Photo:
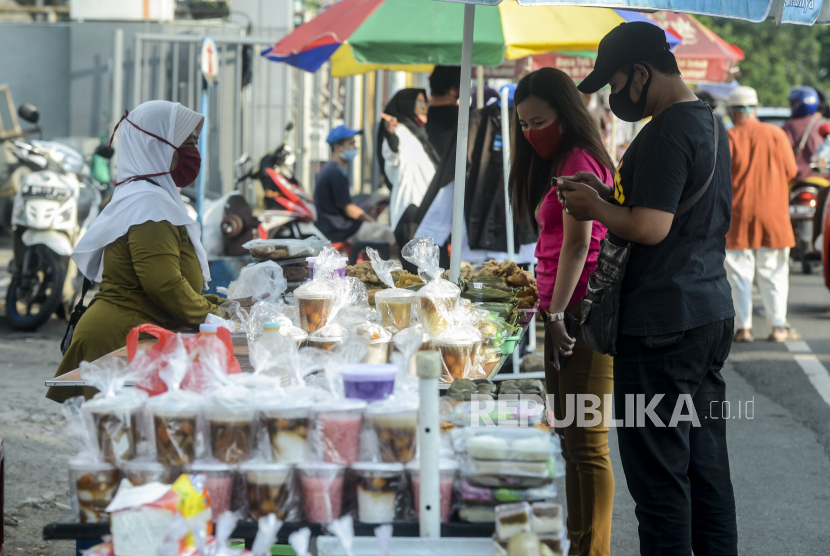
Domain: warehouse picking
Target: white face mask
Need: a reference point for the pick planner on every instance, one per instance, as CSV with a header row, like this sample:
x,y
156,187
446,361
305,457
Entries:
x,y
348,154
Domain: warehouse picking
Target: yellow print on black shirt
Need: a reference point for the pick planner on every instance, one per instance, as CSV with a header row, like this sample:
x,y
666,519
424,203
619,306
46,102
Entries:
x,y
619,196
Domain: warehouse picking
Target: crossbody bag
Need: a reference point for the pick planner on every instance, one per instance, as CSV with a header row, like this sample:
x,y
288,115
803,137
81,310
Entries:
x,y
601,304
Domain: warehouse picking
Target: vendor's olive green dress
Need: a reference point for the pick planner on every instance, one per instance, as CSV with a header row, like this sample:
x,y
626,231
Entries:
x,y
151,275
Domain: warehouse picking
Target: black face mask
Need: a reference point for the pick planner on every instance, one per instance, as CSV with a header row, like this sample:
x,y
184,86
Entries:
x,y
621,104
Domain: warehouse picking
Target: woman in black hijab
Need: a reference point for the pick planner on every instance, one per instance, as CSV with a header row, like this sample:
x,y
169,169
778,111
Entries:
x,y
406,157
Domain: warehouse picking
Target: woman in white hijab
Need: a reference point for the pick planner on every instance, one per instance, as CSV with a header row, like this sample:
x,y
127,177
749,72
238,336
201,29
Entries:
x,y
144,249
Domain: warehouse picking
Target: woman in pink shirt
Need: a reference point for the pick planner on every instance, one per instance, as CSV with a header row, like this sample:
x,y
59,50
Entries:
x,y
559,138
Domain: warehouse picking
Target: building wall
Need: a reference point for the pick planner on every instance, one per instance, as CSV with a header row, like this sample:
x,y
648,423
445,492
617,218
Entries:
x,y
35,66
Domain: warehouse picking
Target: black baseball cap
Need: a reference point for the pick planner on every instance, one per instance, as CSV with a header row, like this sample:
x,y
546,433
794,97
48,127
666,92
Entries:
x,y
629,43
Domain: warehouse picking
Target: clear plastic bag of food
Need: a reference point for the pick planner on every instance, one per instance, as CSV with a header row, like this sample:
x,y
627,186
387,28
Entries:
x,y
329,337
438,298
322,485
267,528
470,494
338,423
175,413
143,471
287,422
92,481
230,421
115,410
381,492
459,348
394,305
513,444
379,349
407,343
281,249
299,541
447,473
219,481
270,489
257,281
394,423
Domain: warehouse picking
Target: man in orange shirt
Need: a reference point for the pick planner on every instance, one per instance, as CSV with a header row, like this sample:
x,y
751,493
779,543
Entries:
x,y
758,244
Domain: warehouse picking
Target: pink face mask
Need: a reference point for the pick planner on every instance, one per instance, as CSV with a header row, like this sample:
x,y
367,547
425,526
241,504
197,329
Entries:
x,y
190,161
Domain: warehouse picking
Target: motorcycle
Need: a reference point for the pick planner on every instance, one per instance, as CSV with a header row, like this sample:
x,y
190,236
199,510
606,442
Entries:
x,y
12,173
52,211
290,211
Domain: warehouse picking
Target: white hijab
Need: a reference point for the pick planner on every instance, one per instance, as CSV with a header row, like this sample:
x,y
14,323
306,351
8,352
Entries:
x,y
136,202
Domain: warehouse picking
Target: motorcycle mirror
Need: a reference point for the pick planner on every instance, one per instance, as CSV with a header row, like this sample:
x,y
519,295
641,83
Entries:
x,y
105,151
29,113
289,126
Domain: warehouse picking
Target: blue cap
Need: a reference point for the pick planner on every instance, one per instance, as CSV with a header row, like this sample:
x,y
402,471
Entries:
x,y
341,132
271,325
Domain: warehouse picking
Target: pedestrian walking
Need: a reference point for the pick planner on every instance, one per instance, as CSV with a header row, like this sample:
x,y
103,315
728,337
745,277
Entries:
x,y
758,244
670,207
560,137
405,154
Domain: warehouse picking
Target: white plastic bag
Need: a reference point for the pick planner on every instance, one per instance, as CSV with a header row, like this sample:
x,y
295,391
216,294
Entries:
x,y
258,281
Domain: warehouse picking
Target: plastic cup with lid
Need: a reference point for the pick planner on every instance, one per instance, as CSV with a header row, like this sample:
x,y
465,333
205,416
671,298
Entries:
x,y
378,490
448,470
219,484
363,381
322,491
338,424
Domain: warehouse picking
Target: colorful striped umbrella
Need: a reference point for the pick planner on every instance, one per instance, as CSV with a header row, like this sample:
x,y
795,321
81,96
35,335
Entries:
x,y
364,35
802,12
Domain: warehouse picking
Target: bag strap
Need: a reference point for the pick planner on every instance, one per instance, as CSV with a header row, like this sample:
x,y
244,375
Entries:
x,y
75,317
689,203
804,138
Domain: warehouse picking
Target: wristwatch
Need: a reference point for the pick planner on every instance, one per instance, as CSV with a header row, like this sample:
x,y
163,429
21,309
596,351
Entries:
x,y
553,317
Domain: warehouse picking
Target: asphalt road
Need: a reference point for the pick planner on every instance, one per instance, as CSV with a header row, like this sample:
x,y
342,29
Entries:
x,y
780,458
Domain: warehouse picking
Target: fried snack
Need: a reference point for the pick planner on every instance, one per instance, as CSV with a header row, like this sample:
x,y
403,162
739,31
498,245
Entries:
x,y
363,272
406,279
519,279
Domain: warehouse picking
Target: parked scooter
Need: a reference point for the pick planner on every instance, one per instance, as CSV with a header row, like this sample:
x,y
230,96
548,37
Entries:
x,y
52,210
12,173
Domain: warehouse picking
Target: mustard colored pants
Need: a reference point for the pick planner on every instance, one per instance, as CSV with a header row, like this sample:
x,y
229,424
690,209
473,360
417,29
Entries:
x,y
589,479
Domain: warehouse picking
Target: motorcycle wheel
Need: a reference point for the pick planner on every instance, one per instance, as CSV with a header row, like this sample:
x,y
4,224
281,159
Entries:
x,y
35,293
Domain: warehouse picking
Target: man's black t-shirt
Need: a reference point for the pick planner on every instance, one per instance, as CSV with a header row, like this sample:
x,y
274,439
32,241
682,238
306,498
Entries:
x,y
680,283
331,194
442,123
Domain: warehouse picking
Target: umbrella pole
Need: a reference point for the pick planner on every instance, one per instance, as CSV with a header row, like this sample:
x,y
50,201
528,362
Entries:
x,y
505,156
461,149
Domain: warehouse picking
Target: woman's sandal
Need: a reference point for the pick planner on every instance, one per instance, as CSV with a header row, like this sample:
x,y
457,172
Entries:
x,y
790,335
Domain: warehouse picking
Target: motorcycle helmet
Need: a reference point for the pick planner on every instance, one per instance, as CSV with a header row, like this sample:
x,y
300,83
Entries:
x,y
803,101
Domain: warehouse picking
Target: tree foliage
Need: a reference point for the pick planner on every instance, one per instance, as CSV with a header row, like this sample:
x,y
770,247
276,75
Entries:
x,y
777,59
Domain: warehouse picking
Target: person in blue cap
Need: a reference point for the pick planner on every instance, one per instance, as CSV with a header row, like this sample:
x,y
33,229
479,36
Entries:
x,y
338,217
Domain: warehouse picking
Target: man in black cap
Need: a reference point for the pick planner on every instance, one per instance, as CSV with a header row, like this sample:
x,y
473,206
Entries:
x,y
675,313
